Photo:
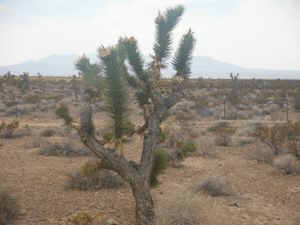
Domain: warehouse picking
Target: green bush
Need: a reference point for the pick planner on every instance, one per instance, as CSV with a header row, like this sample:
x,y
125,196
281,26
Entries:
x,y
63,112
162,136
161,160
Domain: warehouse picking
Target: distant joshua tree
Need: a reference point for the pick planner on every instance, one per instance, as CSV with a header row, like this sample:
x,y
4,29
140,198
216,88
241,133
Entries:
x,y
24,82
155,105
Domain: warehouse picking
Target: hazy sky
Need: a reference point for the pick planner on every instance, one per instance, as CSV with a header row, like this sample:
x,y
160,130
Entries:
x,y
248,33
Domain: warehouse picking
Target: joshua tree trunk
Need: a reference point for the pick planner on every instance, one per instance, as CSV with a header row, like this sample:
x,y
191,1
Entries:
x,y
144,209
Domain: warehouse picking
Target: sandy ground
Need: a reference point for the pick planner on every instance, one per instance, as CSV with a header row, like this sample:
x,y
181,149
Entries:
x,y
260,194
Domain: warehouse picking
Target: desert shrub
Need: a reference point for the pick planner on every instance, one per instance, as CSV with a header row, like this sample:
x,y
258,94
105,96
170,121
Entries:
x,y
187,148
286,163
223,132
9,207
213,186
48,132
16,111
56,98
206,148
62,111
81,219
281,137
32,99
297,101
179,209
7,129
92,177
162,136
160,164
62,149
264,155
184,120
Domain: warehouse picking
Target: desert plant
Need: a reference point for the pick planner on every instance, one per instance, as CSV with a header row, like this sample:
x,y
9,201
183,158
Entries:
x,y
75,85
65,149
48,132
7,129
280,137
93,177
213,186
91,77
154,104
184,120
24,82
63,112
9,208
81,219
286,163
180,209
223,132
185,148
160,163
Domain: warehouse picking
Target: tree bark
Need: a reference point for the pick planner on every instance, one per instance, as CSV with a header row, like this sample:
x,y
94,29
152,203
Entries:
x,y
144,210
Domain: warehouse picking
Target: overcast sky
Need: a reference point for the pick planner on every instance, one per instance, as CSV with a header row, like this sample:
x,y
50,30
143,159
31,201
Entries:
x,y
248,33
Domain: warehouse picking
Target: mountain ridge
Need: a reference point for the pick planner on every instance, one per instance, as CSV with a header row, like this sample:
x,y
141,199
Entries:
x,y
202,66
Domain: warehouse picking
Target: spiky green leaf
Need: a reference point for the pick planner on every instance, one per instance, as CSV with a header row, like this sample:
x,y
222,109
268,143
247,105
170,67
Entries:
x,y
165,23
183,56
115,88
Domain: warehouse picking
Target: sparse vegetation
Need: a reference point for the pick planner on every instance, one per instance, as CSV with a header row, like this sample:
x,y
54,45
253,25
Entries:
x,y
223,132
9,207
7,129
180,209
81,219
213,186
48,132
287,164
62,148
160,164
93,177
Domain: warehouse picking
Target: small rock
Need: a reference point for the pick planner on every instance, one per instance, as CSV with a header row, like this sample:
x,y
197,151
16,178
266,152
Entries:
x,y
111,222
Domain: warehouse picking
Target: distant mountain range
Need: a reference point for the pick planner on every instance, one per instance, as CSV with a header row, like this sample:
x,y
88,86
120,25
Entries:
x,y
202,66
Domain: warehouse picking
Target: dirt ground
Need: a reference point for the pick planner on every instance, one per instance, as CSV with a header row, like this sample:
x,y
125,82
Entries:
x,y
260,194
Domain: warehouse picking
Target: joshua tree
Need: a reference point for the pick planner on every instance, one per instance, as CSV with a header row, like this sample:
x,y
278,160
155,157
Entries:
x,y
24,82
91,77
75,86
154,104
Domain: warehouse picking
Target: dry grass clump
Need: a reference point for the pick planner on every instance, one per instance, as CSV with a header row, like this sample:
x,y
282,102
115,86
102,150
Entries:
x,y
287,163
81,219
206,148
223,132
7,129
48,132
213,186
9,207
62,148
264,155
179,209
92,177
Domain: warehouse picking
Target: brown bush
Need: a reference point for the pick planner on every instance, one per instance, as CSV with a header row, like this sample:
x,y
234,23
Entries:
x,y
213,186
287,163
92,177
9,208
7,129
48,132
281,137
223,132
179,209
62,148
